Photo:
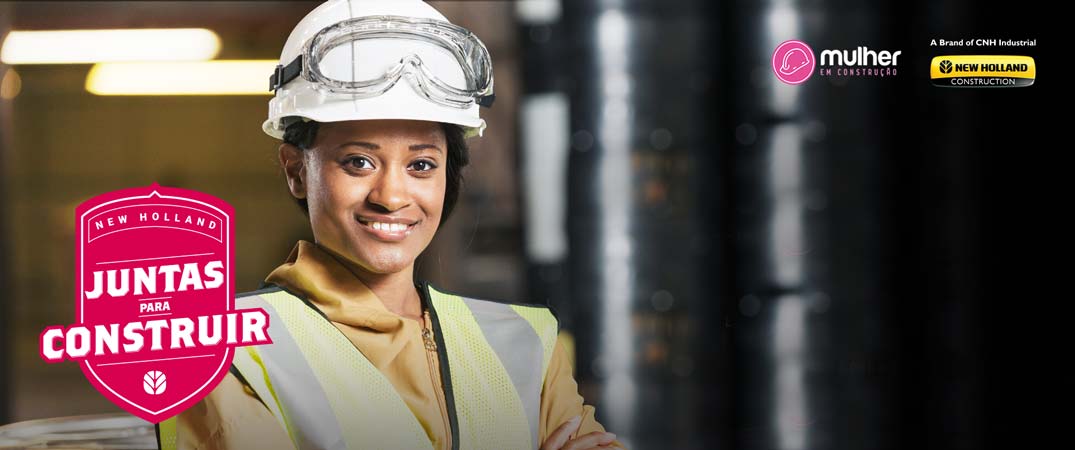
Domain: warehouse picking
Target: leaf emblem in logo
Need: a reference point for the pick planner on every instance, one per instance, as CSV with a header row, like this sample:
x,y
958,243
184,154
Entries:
x,y
946,66
154,382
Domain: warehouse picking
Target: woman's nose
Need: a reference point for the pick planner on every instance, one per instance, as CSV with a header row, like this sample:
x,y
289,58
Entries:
x,y
390,191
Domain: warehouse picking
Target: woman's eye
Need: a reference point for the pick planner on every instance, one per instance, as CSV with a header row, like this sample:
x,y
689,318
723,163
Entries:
x,y
359,162
423,165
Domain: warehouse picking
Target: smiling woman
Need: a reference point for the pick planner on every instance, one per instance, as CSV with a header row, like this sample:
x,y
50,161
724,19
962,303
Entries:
x,y
455,152
374,189
363,355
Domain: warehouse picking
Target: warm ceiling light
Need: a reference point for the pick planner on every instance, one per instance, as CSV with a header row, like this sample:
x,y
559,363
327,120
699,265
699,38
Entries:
x,y
221,77
93,46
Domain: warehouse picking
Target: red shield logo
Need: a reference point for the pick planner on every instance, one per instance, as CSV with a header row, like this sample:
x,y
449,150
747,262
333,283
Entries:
x,y
156,323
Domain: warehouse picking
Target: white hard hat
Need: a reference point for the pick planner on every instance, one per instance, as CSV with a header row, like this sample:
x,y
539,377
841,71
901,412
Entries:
x,y
380,59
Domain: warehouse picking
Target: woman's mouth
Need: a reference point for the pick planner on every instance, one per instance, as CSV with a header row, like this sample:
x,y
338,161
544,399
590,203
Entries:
x,y
385,230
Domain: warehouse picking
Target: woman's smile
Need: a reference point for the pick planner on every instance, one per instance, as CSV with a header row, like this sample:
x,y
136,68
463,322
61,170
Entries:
x,y
387,228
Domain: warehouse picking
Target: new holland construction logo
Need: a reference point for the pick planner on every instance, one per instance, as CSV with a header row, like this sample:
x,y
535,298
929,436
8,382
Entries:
x,y
794,62
156,325
982,71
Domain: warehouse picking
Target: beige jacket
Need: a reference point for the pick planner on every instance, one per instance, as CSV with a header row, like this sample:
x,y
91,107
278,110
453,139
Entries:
x,y
232,418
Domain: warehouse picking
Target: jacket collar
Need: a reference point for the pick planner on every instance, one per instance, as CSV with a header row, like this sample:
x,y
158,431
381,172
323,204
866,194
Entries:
x,y
322,279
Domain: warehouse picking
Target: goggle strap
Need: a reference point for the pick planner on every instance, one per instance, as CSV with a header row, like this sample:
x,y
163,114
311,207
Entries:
x,y
486,100
284,74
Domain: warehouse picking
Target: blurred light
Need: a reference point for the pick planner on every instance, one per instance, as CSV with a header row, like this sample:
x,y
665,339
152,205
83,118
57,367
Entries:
x,y
785,160
223,77
746,134
616,84
786,239
662,300
534,12
545,136
93,46
789,336
615,184
660,138
582,140
782,23
613,37
749,306
10,85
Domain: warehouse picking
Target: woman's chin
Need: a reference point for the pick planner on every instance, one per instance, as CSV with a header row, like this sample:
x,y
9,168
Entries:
x,y
385,262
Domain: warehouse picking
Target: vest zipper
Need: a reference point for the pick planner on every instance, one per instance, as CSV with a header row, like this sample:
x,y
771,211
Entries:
x,y
445,369
427,337
431,350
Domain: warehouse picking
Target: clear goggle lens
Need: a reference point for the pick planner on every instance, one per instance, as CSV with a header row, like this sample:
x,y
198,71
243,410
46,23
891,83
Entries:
x,y
362,57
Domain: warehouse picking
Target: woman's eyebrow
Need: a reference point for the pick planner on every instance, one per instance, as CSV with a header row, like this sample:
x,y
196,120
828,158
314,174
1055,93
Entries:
x,y
372,146
364,144
417,147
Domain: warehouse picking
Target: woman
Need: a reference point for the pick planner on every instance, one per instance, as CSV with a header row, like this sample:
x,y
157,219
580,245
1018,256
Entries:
x,y
374,101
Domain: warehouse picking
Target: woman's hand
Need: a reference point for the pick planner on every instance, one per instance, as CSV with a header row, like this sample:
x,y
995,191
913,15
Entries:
x,y
559,439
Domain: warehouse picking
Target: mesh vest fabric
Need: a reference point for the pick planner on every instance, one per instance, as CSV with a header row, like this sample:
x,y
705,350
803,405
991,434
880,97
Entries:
x,y
327,395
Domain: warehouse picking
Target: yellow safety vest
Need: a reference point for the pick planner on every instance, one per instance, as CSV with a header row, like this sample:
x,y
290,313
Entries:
x,y
327,395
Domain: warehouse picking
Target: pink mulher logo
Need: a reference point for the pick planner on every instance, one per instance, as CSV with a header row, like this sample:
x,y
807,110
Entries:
x,y
793,62
155,321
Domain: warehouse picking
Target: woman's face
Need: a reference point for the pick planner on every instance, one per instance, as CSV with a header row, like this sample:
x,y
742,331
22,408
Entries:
x,y
375,189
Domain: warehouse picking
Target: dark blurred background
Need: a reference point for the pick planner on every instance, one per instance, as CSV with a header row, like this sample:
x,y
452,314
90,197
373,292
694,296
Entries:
x,y
738,263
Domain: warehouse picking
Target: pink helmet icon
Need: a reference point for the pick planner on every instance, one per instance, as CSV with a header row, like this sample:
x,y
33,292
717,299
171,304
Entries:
x,y
794,60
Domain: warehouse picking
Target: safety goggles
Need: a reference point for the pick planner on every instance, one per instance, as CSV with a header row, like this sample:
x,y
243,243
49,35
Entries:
x,y
360,57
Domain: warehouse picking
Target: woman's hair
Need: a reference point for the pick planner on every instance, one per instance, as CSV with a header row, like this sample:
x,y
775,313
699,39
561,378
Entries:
x,y
302,134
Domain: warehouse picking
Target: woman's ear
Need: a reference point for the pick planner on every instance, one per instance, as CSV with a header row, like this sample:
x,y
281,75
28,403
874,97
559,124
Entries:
x,y
291,160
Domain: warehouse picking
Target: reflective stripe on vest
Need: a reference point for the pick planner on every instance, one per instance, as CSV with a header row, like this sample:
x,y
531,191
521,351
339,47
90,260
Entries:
x,y
493,349
327,395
